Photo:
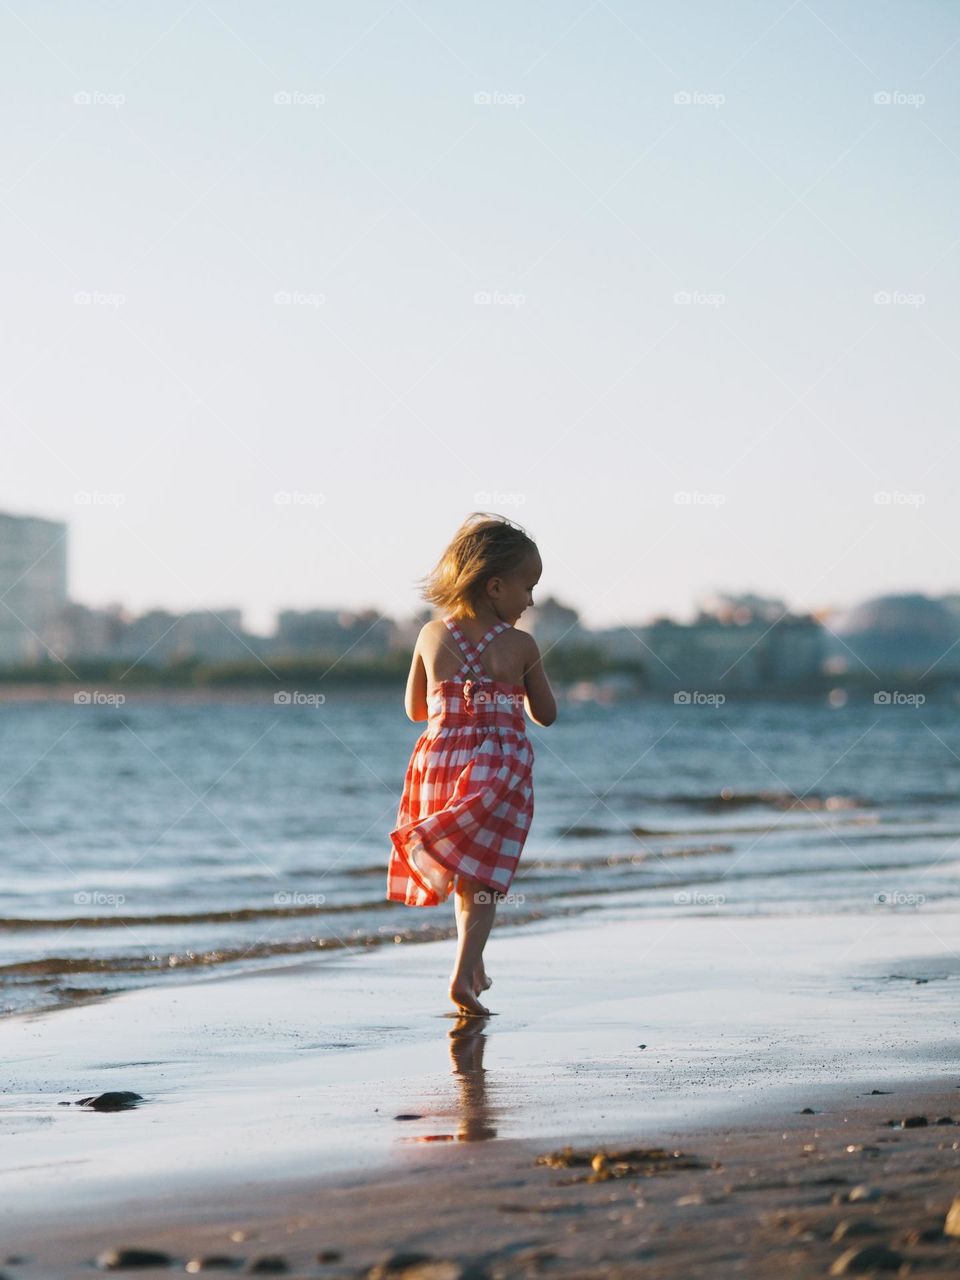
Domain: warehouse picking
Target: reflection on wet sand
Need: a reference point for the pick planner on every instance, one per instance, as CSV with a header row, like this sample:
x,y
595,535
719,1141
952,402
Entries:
x,y
466,1055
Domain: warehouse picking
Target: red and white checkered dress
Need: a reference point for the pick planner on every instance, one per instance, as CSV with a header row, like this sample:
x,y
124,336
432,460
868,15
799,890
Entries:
x,y
468,792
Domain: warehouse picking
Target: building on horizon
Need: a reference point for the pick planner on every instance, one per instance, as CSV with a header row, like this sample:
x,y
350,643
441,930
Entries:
x,y
909,635
553,625
33,585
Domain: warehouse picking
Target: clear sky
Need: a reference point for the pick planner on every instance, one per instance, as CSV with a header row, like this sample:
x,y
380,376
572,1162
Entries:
x,y
213,297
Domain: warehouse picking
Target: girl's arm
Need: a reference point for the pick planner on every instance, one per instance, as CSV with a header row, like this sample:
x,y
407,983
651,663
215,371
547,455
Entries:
x,y
415,697
541,704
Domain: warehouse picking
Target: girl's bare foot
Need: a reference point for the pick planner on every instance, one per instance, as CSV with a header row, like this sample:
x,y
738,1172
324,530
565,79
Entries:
x,y
464,999
480,980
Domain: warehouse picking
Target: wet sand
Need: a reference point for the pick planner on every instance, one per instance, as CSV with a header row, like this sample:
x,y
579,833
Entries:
x,y
271,1103
788,1194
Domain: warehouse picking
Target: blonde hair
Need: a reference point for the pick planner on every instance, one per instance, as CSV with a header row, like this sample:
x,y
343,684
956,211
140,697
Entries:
x,y
485,546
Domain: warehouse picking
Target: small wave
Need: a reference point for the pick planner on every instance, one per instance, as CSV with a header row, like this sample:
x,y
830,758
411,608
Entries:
x,y
727,799
239,915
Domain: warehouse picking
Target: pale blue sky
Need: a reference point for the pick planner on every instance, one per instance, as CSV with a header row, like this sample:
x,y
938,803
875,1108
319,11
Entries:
x,y
584,405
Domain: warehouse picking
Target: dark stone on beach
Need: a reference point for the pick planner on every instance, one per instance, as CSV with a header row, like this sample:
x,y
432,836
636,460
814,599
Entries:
x,y
854,1227
117,1101
214,1262
869,1257
408,1115
913,1122
807,1111
329,1255
872,1091
118,1259
269,1264
945,1120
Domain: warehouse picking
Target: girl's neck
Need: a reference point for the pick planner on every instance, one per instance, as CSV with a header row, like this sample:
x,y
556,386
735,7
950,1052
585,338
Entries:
x,y
485,618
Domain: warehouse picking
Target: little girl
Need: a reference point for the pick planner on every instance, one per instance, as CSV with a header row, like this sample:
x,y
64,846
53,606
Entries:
x,y
468,792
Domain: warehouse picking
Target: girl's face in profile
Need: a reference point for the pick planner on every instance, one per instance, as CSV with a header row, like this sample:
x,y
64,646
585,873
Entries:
x,y
513,592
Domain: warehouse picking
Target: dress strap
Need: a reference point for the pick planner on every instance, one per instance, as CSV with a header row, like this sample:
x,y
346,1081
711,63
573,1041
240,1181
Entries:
x,y
471,652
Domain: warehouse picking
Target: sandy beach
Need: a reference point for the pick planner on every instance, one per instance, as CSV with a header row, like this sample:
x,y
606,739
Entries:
x,y
323,1105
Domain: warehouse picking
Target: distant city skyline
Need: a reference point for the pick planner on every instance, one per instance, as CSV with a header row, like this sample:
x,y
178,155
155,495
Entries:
x,y
55,563
671,286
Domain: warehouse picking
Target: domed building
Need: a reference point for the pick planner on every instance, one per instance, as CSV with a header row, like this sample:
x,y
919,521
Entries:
x,y
895,635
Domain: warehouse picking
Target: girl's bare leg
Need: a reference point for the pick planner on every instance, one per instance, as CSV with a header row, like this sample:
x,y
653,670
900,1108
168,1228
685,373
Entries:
x,y
480,980
476,909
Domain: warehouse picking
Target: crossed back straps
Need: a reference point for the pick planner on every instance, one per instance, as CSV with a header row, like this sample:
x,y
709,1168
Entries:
x,y
472,652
